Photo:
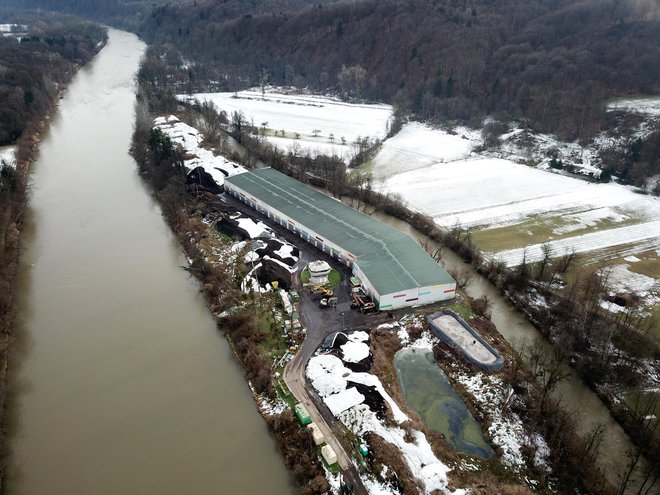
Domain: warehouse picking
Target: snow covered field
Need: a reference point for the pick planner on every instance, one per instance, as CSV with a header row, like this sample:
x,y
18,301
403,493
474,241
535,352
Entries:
x,y
644,105
302,114
441,175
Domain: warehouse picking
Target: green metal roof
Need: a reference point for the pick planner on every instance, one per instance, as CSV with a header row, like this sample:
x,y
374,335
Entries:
x,y
391,260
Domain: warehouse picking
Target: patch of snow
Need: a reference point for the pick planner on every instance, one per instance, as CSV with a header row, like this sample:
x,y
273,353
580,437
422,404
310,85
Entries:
x,y
506,431
254,229
621,280
541,451
339,402
8,155
631,259
425,341
359,336
589,218
643,105
190,140
286,251
376,488
250,257
388,325
404,336
235,248
354,352
417,454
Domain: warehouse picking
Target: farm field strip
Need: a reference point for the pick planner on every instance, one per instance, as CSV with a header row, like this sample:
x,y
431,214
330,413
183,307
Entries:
x,y
302,114
643,235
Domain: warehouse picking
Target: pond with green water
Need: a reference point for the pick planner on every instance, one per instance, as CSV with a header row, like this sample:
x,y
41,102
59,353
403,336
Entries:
x,y
427,389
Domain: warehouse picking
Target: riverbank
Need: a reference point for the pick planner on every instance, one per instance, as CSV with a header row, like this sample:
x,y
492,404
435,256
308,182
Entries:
x,y
13,204
192,216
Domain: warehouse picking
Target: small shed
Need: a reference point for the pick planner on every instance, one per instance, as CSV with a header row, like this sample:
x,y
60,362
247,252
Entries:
x,y
302,414
318,437
328,454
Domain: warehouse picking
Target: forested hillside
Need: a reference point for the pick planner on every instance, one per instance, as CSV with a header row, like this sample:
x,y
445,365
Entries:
x,y
129,14
34,67
550,62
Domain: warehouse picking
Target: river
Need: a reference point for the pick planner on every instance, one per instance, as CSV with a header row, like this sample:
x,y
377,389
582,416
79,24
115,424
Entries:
x,y
120,381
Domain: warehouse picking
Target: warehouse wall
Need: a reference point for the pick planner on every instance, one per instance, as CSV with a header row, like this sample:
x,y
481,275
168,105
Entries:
x,y
401,299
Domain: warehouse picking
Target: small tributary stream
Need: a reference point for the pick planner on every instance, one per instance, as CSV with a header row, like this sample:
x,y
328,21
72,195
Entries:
x,y
121,383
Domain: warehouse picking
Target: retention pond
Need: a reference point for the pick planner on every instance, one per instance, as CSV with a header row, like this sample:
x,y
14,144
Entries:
x,y
427,389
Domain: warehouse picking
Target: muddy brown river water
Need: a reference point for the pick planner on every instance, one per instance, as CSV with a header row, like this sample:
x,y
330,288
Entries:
x,y
121,383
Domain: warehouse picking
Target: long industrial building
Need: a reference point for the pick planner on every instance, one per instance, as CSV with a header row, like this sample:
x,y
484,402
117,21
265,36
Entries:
x,y
394,269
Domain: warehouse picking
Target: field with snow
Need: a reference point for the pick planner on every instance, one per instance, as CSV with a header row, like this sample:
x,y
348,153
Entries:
x,y
302,114
644,105
512,208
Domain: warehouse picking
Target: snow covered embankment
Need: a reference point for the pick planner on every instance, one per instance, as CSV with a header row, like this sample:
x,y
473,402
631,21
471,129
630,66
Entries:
x,y
189,139
329,377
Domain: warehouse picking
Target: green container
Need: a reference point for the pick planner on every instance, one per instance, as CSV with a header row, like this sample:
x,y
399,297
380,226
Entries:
x,y
363,450
302,414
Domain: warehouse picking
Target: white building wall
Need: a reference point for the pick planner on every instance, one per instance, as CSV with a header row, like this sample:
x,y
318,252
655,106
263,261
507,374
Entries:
x,y
436,293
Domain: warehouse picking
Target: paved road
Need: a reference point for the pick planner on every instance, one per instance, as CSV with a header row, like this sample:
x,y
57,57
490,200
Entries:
x,y
318,323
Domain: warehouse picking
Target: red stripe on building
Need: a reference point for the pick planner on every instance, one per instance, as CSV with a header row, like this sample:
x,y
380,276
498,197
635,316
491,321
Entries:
x,y
413,299
450,290
399,295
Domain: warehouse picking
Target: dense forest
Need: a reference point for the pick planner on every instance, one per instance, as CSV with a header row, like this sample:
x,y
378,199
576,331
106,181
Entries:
x,y
130,14
550,63
34,66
